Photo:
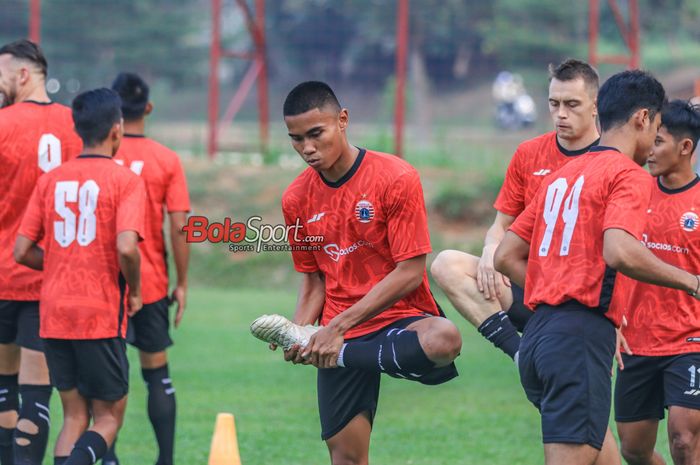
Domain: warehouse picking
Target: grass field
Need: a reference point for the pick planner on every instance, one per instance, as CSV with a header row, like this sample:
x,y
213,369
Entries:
x,y
482,417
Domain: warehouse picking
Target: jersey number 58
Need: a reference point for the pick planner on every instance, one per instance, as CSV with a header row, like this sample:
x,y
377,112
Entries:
x,y
66,231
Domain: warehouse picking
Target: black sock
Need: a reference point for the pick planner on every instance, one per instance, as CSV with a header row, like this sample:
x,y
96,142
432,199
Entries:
x,y
110,458
59,460
9,400
7,456
161,411
500,331
396,352
29,447
89,448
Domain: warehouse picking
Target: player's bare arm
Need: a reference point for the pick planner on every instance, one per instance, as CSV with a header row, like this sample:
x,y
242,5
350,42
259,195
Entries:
x,y
627,255
130,266
310,301
181,253
325,345
29,254
511,257
486,275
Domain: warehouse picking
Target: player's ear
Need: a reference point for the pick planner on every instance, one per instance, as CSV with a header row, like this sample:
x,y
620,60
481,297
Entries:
x,y
343,119
686,146
641,119
117,130
149,109
23,75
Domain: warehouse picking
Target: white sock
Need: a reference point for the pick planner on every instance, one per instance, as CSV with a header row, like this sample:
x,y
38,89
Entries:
x,y
340,362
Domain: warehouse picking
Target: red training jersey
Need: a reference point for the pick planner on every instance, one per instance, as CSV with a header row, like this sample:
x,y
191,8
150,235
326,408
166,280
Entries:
x,y
564,226
532,162
81,207
370,219
34,138
166,187
660,320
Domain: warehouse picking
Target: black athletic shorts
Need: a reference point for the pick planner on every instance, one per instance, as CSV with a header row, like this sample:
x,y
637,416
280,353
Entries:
x,y
97,367
149,329
19,323
344,393
649,384
566,355
518,313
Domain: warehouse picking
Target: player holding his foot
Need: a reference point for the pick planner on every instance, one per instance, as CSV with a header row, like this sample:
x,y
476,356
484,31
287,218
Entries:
x,y
36,136
166,187
365,282
90,213
586,222
663,329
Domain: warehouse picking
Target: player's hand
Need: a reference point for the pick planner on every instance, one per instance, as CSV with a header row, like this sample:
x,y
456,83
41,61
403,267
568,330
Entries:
x,y
179,296
621,343
487,278
134,303
324,348
294,355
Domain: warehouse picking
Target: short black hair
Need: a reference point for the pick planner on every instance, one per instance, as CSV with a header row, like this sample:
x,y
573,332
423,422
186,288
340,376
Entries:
x,y
309,95
682,119
571,69
627,92
24,49
133,91
94,114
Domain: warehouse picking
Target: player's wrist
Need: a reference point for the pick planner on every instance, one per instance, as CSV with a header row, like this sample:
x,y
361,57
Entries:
x,y
338,325
490,248
694,287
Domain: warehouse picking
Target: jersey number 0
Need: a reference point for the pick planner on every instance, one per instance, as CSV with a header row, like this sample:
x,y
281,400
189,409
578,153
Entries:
x,y
552,206
66,231
49,152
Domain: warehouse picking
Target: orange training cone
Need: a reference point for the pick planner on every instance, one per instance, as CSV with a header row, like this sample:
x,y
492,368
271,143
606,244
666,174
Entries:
x,y
224,445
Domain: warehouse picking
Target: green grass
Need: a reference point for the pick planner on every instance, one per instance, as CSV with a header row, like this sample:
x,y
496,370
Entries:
x,y
482,417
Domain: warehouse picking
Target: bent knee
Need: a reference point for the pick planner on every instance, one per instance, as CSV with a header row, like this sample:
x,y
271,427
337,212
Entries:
x,y
443,343
450,267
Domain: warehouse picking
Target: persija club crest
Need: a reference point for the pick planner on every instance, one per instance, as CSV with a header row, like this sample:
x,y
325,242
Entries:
x,y
689,221
364,211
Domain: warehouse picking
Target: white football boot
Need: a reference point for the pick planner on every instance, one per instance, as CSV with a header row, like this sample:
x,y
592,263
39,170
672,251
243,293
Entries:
x,y
278,330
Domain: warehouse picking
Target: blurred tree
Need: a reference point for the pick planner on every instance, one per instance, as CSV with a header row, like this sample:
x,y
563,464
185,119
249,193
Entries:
x,y
96,39
14,22
534,32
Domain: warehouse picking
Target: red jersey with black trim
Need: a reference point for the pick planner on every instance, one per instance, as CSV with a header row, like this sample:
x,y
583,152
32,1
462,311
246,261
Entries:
x,y
80,208
564,226
369,220
532,162
660,320
166,187
34,138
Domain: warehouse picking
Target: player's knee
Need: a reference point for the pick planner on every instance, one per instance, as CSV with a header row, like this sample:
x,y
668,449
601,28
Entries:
x,y
442,343
682,443
76,421
446,269
109,422
345,457
636,453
